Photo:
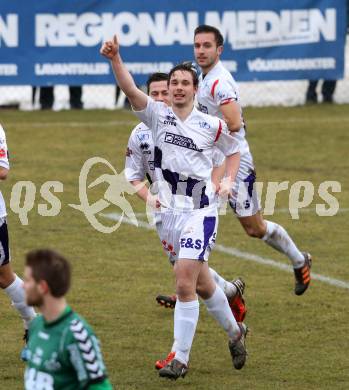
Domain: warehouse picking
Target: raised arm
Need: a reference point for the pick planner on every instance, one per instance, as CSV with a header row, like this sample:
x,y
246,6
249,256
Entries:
x,y
137,98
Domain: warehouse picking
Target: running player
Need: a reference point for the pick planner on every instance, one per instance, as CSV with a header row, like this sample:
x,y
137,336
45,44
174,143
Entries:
x,y
183,167
9,281
218,95
139,164
63,351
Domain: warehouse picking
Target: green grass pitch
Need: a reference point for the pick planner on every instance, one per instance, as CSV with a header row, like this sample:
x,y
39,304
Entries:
x,y
294,343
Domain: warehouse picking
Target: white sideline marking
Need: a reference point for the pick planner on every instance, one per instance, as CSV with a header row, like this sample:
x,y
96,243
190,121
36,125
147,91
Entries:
x,y
78,124
308,210
242,255
281,210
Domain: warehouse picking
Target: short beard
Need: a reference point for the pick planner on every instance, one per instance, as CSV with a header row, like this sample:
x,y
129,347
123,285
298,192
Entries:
x,y
209,65
38,301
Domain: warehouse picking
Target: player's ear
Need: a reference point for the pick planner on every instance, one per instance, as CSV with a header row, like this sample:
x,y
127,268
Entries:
x,y
219,50
43,287
195,91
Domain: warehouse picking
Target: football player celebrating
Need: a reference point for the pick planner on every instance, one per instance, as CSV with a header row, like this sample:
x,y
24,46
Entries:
x,y
218,95
183,167
139,164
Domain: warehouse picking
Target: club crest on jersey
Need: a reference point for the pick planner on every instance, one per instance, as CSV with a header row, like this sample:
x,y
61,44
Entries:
x,y
170,120
142,137
204,125
203,108
151,165
221,95
179,140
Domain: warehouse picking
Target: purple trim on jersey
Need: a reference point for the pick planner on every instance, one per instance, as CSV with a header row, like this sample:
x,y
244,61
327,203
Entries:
x,y
172,178
193,188
209,227
250,180
5,255
204,198
157,157
191,183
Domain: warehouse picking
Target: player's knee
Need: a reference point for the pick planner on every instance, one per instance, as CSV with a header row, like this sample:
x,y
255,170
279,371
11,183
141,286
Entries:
x,y
4,281
6,276
200,290
184,288
257,231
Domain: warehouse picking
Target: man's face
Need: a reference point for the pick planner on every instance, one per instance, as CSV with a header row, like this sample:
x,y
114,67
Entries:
x,y
33,290
181,88
206,51
158,91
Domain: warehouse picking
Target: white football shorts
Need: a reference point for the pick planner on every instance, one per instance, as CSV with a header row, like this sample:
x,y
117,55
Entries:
x,y
189,235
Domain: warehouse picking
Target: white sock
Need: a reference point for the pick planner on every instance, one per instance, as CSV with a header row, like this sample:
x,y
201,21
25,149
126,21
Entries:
x,y
228,288
174,346
219,308
16,293
277,237
186,315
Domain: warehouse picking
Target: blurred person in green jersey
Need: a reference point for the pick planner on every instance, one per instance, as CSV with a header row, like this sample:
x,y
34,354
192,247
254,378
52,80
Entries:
x,y
63,351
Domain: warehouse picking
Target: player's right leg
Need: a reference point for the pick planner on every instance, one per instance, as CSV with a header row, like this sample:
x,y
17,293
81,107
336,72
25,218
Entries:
x,y
186,315
11,283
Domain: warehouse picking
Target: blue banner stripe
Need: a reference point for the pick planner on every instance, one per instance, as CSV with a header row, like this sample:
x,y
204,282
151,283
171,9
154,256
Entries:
x,y
58,41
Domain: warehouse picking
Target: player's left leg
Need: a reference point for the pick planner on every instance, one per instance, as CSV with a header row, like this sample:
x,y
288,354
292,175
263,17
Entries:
x,y
277,237
218,306
232,289
11,283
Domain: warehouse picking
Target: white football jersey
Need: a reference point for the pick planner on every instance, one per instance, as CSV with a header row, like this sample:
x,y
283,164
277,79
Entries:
x,y
218,87
183,156
139,161
4,162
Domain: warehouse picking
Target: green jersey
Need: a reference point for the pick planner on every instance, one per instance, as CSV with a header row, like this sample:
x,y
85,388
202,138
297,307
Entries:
x,y
64,354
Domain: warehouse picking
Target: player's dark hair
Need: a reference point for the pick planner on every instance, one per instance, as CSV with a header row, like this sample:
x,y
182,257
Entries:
x,y
158,76
186,67
205,28
52,267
